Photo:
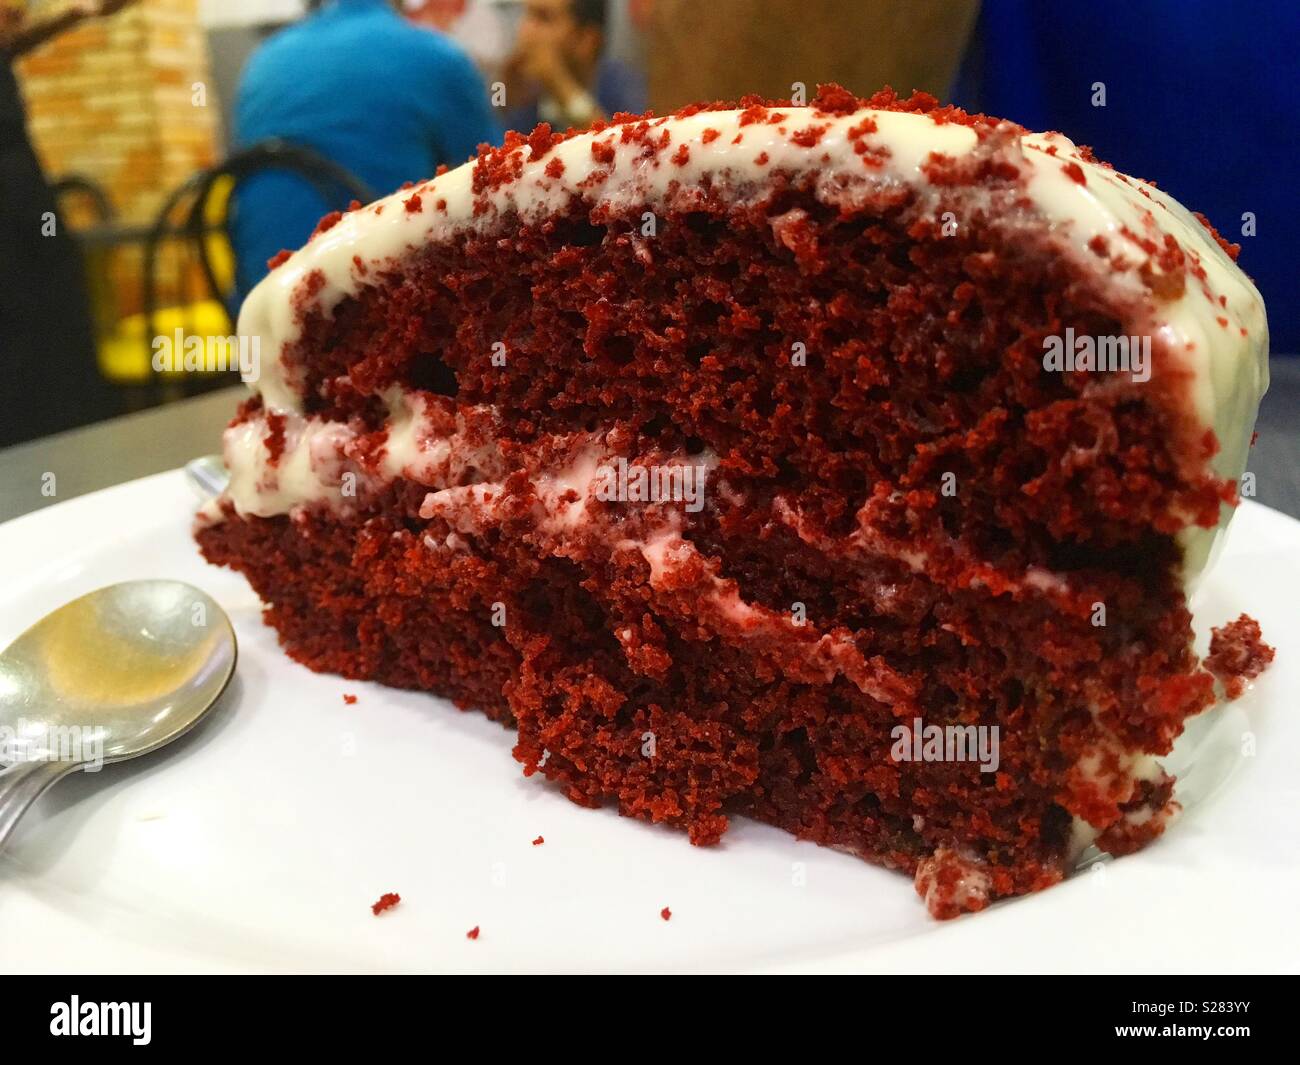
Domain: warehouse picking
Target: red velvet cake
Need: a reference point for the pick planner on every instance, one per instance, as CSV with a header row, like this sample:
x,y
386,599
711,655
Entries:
x,y
844,466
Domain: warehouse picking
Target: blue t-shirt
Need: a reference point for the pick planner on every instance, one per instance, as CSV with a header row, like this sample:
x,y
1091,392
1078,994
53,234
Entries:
x,y
1200,98
387,100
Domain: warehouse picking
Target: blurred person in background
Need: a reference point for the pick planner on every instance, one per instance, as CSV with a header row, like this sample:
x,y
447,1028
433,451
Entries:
x,y
475,25
49,379
559,72
383,98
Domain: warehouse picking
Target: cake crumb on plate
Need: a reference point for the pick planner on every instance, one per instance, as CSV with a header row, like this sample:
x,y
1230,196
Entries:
x,y
386,902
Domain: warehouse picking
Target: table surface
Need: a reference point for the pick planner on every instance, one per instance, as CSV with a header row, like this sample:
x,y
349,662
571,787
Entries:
x,y
47,471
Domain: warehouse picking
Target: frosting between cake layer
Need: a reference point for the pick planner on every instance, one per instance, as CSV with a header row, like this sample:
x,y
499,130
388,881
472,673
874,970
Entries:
x,y
308,470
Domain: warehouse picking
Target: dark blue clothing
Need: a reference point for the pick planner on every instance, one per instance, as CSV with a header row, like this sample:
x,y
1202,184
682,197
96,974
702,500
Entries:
x,y
385,99
1200,98
619,87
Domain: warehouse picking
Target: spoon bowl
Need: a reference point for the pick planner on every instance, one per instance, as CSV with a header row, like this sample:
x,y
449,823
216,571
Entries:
x,y
113,675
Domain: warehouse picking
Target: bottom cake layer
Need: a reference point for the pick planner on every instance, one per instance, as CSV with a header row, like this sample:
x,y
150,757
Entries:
x,y
636,675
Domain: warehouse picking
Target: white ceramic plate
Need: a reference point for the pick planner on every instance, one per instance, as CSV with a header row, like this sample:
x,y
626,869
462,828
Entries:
x,y
260,841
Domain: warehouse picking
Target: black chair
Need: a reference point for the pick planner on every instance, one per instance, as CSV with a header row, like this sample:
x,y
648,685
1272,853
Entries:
x,y
185,215
77,186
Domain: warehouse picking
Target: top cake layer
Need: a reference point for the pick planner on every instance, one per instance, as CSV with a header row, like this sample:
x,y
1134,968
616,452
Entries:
x,y
1165,273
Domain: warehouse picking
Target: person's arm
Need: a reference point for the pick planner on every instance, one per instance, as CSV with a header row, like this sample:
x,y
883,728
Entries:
x,y
32,33
547,67
540,65
521,90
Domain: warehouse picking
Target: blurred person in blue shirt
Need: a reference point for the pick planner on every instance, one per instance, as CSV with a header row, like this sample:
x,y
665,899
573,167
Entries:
x,y
559,72
356,82
1199,97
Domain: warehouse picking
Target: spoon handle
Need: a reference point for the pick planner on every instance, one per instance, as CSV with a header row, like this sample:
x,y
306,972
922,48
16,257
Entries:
x,y
21,784
207,475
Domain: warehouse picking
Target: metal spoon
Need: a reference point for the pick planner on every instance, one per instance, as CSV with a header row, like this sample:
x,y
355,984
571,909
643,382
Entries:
x,y
115,674
207,475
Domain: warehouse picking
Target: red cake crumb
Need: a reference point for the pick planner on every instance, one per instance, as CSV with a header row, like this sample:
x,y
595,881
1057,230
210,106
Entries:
x,y
308,289
761,159
413,203
683,154
472,933
1232,250
275,437
952,885
832,99
861,129
279,258
709,136
1075,172
386,902
350,700
810,137
328,222
541,140
1238,654
555,168
874,156
538,841
666,913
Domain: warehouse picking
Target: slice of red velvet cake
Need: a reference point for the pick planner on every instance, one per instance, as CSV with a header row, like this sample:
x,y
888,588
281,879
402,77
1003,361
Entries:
x,y
842,466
